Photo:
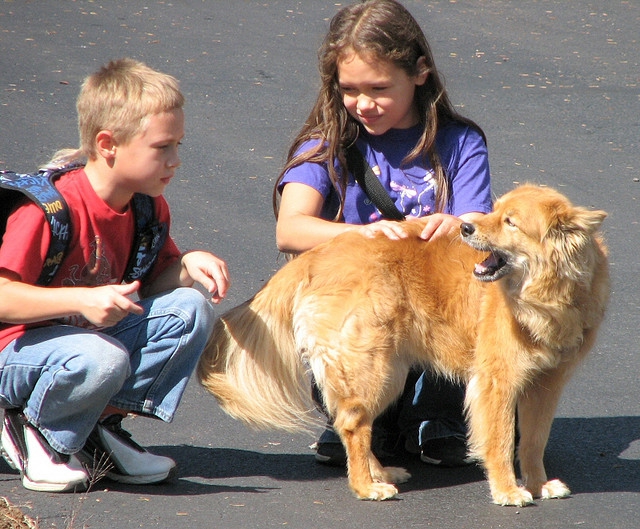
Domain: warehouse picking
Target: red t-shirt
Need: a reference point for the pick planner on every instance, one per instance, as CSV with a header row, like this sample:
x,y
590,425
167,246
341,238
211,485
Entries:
x,y
98,251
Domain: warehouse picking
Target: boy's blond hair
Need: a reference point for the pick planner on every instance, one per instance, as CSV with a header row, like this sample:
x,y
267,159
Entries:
x,y
119,97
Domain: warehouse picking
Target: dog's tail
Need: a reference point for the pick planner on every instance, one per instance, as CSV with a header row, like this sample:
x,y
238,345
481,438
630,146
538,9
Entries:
x,y
252,366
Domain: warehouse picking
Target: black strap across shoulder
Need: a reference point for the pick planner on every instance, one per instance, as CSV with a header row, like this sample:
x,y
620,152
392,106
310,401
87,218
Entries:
x,y
149,238
39,188
371,185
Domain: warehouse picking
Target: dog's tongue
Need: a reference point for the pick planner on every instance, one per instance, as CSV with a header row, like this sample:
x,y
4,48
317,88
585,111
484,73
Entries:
x,y
486,266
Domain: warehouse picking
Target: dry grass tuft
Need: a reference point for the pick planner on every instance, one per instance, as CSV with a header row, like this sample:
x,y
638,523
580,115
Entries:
x,y
11,517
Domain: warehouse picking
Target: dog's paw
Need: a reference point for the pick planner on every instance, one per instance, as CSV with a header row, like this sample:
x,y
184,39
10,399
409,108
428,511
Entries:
x,y
518,496
378,491
554,489
395,475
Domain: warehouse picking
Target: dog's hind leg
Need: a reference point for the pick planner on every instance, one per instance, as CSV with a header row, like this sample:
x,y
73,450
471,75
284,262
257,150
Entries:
x,y
368,479
536,409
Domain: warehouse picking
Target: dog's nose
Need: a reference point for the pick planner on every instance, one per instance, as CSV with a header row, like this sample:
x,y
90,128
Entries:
x,y
466,228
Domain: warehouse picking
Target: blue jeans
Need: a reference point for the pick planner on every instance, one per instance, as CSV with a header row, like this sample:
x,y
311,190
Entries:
x,y
64,376
430,407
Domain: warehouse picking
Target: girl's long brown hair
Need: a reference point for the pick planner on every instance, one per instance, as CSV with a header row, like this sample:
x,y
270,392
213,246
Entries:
x,y
386,31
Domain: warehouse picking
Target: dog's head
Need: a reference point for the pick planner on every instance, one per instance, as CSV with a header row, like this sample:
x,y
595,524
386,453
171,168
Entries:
x,y
533,230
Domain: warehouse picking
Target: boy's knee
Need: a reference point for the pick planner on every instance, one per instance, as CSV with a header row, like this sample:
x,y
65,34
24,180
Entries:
x,y
105,366
193,302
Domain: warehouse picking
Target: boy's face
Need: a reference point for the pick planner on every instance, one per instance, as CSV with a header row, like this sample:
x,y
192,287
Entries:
x,y
147,163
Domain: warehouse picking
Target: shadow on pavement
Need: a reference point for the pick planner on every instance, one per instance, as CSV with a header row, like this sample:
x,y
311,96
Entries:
x,y
592,455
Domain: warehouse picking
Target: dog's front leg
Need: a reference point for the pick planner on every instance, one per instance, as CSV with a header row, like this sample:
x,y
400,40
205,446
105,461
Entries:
x,y
491,406
536,409
367,478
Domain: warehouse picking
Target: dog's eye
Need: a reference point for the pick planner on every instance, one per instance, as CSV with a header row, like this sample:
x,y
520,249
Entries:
x,y
509,222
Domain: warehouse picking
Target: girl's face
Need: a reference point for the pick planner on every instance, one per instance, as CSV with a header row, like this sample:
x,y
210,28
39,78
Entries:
x,y
378,93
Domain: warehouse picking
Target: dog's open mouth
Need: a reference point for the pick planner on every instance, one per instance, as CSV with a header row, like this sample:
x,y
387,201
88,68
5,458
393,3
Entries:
x,y
495,266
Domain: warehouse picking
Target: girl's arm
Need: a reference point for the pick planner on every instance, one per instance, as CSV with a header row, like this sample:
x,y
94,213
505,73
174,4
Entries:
x,y
300,228
471,184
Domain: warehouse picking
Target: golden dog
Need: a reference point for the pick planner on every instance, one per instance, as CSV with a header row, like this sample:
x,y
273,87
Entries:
x,y
510,305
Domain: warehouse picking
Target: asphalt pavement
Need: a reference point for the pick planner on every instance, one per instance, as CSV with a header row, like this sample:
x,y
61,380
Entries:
x,y
554,84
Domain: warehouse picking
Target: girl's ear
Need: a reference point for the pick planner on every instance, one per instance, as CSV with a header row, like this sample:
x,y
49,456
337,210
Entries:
x,y
423,71
105,144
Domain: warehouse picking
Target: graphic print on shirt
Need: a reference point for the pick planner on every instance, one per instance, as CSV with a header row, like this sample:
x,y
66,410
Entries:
x,y
415,195
426,197
95,273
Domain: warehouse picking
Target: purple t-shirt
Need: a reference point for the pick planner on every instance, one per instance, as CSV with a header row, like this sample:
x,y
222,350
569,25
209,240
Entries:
x,y
463,154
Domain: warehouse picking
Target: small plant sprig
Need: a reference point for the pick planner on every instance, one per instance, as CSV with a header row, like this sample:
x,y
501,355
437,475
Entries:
x,y
98,469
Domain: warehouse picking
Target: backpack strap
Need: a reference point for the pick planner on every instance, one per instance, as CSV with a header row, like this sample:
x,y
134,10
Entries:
x,y
39,188
371,185
150,237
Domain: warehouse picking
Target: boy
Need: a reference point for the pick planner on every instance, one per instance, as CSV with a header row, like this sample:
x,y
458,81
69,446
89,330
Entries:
x,y
80,354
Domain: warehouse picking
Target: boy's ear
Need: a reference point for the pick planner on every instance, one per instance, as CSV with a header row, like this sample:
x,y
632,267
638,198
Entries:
x,y
105,144
423,71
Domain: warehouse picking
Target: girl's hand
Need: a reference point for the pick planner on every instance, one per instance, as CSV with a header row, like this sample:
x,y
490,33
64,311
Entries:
x,y
392,229
440,224
208,270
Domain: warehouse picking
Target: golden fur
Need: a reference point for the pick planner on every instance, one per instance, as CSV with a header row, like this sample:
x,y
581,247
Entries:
x,y
511,305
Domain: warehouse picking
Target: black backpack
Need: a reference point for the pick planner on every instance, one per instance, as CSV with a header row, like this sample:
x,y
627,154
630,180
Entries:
x,y
150,233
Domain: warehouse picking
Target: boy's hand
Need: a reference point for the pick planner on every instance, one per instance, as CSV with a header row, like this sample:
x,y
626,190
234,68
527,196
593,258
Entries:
x,y
106,305
208,270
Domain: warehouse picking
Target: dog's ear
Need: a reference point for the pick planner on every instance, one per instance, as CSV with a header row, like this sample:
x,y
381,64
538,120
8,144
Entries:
x,y
581,220
568,220
571,236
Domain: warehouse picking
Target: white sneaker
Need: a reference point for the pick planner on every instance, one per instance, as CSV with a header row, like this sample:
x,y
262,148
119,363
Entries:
x,y
130,463
42,468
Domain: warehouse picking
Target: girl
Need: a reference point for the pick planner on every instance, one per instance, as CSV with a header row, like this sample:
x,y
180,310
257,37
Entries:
x,y
381,91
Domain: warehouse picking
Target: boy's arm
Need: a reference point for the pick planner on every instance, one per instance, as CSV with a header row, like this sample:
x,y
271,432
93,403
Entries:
x,y
102,306
196,266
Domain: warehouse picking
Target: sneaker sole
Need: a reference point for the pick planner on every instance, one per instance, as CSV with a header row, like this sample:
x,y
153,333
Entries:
x,y
429,460
80,486
152,479
330,461
449,464
322,459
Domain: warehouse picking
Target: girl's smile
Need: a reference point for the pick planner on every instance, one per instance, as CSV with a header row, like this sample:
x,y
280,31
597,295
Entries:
x,y
377,93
